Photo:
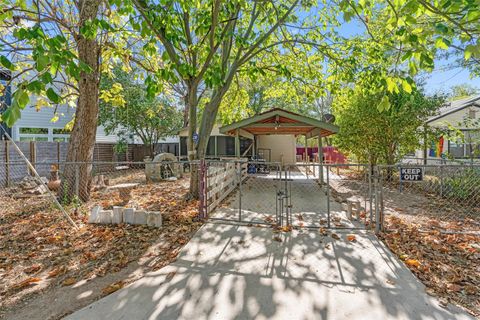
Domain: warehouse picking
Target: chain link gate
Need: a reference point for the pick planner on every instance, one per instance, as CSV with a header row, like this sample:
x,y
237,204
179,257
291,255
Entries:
x,y
343,197
329,196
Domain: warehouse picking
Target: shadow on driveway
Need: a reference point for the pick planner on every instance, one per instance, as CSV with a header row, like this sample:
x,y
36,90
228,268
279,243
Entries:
x,y
240,272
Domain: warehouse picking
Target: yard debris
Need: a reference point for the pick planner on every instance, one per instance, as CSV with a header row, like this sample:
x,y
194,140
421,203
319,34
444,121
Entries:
x,y
446,263
26,283
412,263
69,281
335,236
277,238
113,287
32,269
351,238
323,231
31,231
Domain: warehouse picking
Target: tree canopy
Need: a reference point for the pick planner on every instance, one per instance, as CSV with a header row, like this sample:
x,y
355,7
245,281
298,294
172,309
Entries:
x,y
126,109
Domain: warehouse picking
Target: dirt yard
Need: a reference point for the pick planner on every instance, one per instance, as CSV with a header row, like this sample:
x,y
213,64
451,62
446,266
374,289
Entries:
x,y
437,243
48,270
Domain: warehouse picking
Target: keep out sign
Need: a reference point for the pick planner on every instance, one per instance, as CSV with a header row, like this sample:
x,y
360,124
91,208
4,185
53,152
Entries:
x,y
411,174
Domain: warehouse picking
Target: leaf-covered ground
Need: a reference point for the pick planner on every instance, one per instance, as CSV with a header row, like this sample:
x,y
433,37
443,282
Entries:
x,y
435,240
40,252
442,255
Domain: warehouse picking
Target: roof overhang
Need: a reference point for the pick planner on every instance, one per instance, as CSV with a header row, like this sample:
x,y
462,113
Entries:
x,y
460,108
279,121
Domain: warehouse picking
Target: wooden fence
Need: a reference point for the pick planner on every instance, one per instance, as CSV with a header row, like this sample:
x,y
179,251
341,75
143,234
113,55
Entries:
x,y
43,154
221,179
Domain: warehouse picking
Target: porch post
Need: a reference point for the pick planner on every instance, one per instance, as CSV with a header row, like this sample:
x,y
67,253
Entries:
x,y
216,146
320,158
306,150
237,144
254,150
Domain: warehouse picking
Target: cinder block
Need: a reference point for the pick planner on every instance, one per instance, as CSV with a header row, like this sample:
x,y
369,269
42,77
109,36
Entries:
x,y
128,215
93,218
105,216
117,216
154,219
140,217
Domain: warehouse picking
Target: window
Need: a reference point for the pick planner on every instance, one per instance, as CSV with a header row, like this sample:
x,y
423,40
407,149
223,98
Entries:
x,y
456,150
226,146
61,139
472,113
61,131
33,130
211,146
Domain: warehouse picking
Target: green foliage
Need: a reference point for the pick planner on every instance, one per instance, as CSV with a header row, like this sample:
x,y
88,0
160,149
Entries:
x,y
150,118
382,136
463,186
420,30
463,91
43,53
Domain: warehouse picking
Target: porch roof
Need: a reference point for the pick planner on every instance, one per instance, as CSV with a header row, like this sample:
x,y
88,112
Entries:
x,y
279,121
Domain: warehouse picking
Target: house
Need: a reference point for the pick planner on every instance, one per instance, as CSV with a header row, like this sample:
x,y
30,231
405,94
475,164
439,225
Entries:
x,y
270,136
456,114
39,125
219,144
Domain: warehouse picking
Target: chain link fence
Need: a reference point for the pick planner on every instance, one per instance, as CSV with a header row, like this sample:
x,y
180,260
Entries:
x,y
446,192
306,195
107,184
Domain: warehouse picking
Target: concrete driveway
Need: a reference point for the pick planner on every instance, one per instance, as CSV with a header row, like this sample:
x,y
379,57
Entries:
x,y
241,272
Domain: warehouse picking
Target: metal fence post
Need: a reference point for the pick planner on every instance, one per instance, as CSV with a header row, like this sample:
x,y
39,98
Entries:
x,y
400,185
376,179
239,174
441,180
77,179
7,163
328,198
382,207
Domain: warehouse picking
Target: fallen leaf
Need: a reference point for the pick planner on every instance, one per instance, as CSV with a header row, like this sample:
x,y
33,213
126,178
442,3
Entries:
x,y
471,290
351,238
323,231
454,287
412,263
170,275
57,271
277,238
27,282
113,287
69,281
33,269
335,236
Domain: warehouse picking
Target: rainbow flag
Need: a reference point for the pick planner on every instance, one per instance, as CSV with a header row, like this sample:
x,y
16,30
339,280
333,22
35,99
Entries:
x,y
436,148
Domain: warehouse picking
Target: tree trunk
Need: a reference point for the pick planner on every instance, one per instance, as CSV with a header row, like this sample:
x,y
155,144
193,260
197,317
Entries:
x,y
77,177
209,116
191,103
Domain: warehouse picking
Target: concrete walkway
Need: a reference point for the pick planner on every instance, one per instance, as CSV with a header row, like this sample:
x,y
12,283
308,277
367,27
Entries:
x,y
309,201
240,272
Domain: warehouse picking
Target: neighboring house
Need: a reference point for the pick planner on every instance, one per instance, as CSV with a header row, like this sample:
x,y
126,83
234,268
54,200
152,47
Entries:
x,y
453,115
38,125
